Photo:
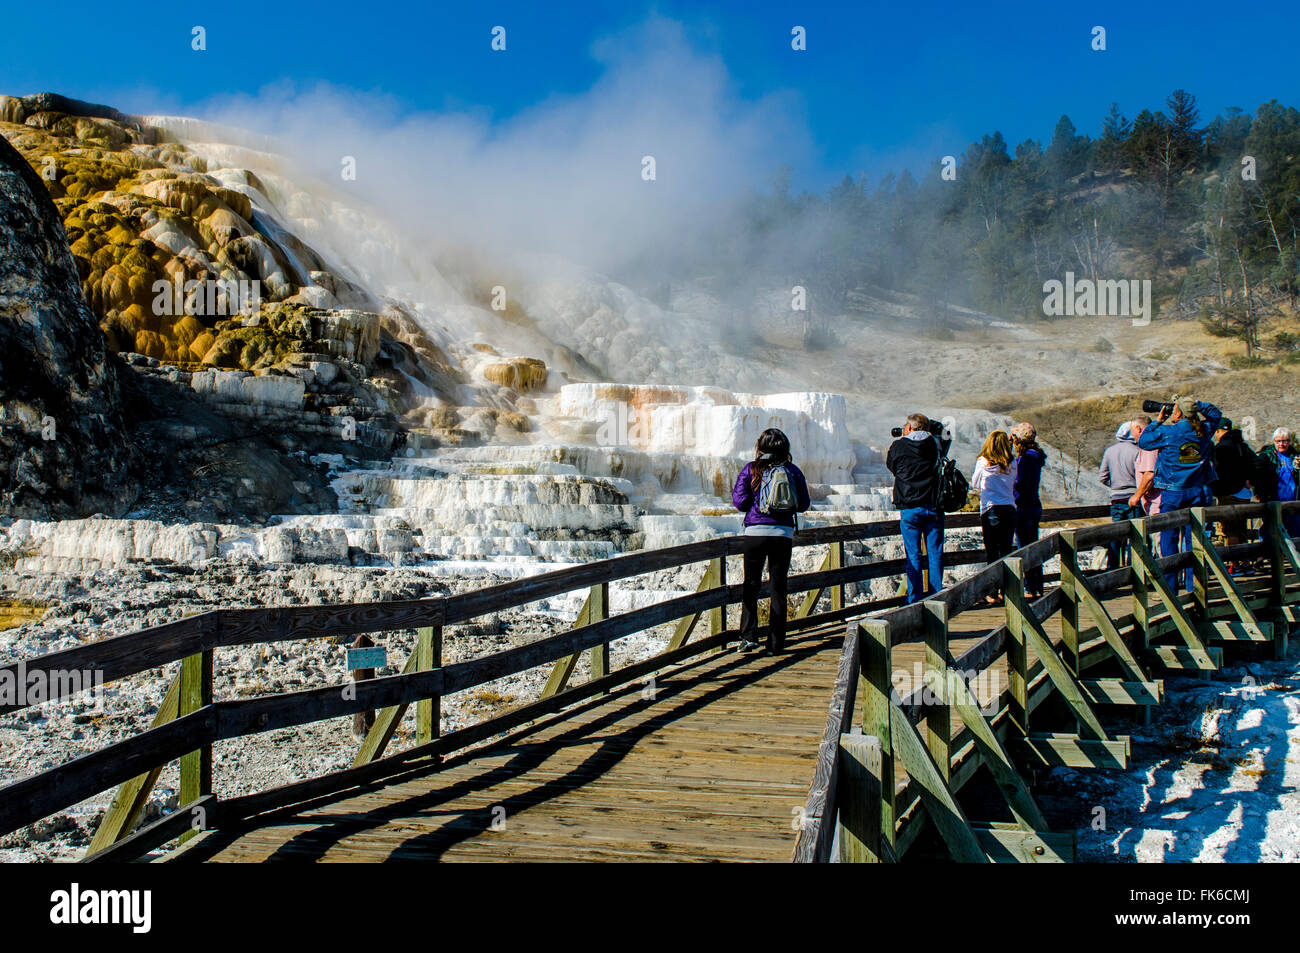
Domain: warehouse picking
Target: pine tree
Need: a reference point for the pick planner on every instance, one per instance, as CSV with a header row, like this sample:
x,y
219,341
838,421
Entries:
x,y
1108,154
1184,136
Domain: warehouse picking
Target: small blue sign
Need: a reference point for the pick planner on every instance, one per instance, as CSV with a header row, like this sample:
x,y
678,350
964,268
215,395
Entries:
x,y
370,657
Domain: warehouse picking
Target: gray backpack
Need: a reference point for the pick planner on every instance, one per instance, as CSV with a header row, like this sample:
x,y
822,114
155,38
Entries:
x,y
776,496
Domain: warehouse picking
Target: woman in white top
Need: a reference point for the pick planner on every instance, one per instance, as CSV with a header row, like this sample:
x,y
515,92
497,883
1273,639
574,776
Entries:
x,y
994,480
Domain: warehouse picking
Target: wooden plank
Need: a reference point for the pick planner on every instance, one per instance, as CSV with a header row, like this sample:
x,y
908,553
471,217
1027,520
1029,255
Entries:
x,y
811,597
250,804
1072,751
1180,658
519,592
191,818
1070,594
563,670
1140,586
813,844
859,799
718,615
1013,845
877,717
1106,625
599,612
1212,565
428,711
938,717
943,810
462,675
195,693
1017,648
836,557
1065,681
686,624
1008,780
39,795
1284,554
1156,580
109,659
1118,691
1228,630
129,801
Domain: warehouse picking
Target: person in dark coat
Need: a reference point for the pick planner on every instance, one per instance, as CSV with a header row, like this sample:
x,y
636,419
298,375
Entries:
x,y
1029,507
914,460
1235,466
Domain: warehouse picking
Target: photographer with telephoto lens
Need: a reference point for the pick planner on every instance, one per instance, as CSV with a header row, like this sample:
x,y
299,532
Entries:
x,y
914,460
1183,436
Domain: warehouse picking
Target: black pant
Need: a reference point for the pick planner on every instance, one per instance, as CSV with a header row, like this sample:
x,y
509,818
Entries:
x,y
775,551
1117,553
1027,519
999,526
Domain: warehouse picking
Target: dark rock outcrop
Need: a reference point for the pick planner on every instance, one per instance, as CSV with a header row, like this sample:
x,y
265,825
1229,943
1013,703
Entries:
x,y
63,451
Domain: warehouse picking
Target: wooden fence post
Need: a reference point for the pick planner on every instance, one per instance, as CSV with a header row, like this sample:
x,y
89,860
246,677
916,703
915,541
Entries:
x,y
1275,527
1069,598
1141,585
718,616
1200,570
599,613
1017,650
362,721
195,693
878,689
836,561
858,795
938,715
428,711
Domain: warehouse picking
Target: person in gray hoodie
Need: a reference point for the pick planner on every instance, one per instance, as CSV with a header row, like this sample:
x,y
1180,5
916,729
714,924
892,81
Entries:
x,y
1119,474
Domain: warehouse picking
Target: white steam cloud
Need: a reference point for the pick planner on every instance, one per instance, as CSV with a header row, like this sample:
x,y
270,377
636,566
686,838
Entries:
x,y
563,177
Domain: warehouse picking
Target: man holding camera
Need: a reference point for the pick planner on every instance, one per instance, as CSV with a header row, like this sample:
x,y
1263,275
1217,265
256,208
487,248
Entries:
x,y
914,460
1183,437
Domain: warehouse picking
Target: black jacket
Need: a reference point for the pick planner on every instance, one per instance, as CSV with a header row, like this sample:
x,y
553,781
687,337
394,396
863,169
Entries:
x,y
914,462
1234,463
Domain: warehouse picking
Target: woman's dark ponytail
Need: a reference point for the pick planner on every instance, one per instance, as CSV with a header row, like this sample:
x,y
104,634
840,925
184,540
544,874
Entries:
x,y
772,449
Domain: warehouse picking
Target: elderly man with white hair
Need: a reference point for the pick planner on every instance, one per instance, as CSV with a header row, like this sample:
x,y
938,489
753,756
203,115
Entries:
x,y
1118,473
1280,474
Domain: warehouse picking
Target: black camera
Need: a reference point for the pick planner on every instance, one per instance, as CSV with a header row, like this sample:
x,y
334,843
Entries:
x,y
934,426
1157,407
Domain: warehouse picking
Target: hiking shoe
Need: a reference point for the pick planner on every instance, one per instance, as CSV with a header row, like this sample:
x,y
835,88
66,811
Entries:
x,y
747,646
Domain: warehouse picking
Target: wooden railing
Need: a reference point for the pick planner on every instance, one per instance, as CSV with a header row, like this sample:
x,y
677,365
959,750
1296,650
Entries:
x,y
191,720
856,799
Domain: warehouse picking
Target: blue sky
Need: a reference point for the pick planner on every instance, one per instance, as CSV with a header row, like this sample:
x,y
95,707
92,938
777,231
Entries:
x,y
881,85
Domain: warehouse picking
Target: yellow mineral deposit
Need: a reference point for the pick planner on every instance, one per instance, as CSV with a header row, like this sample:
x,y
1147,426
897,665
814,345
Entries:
x,y
518,373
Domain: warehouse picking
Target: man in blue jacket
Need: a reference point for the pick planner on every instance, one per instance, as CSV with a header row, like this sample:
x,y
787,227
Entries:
x,y
1184,441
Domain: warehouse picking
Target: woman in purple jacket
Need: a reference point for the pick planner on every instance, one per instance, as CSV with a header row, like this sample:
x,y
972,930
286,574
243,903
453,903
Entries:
x,y
775,531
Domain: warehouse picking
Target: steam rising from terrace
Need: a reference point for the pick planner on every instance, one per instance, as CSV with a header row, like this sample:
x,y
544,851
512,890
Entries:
x,y
564,177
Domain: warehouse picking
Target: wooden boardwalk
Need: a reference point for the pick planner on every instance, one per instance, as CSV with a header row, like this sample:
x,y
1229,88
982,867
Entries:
x,y
721,756
713,767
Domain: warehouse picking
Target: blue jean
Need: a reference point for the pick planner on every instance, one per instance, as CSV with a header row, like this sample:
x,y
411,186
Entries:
x,y
1028,516
914,522
1117,552
1291,522
1180,540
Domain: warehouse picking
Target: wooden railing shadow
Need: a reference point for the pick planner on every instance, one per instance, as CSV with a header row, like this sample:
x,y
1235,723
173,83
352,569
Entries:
x,y
611,751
